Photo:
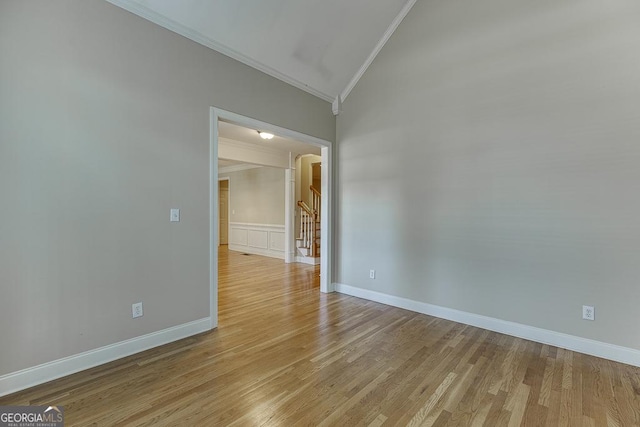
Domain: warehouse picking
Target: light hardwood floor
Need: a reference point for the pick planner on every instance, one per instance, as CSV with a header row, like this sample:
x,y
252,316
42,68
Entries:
x,y
285,354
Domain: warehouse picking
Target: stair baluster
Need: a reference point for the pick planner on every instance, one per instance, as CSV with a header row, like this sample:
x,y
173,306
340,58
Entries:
x,y
310,224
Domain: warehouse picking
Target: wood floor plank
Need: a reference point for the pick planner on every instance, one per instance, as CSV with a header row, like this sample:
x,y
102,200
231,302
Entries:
x,y
430,404
285,354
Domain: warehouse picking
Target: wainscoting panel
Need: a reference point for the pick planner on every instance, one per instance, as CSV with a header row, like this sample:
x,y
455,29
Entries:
x,y
276,242
259,239
238,236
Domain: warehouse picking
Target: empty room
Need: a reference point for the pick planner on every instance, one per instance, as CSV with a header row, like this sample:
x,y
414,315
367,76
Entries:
x,y
436,217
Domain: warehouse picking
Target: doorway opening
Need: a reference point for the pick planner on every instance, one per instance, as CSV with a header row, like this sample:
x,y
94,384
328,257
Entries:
x,y
216,117
308,196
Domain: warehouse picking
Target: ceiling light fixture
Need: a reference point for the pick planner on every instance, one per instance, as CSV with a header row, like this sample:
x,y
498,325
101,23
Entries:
x,y
265,135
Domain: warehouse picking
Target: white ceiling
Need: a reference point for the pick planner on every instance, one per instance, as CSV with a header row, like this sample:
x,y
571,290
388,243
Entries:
x,y
321,46
280,144
224,163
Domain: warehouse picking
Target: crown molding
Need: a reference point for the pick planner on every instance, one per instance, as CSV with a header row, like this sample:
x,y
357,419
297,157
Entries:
x,y
176,27
386,36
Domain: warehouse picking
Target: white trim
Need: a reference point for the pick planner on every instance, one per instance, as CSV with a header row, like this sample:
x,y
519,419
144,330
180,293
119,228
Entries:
x,y
336,106
326,212
256,251
20,380
376,50
176,27
270,232
279,227
213,217
289,213
613,352
307,260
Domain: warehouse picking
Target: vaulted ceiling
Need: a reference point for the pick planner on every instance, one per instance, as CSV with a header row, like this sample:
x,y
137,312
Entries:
x,y
320,46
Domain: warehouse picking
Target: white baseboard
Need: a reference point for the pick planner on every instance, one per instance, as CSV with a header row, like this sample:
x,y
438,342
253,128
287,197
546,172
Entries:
x,y
255,251
20,380
604,350
308,260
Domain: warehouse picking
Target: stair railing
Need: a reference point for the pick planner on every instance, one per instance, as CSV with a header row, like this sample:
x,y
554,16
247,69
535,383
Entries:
x,y
307,228
315,201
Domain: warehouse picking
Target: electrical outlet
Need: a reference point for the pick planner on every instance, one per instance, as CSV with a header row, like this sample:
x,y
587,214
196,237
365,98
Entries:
x,y
588,312
136,310
372,274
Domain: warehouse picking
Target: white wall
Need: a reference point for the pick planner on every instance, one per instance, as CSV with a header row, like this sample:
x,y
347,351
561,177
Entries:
x,y
104,126
488,162
257,195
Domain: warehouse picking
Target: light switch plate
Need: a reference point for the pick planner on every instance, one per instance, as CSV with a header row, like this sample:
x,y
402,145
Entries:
x,y
174,215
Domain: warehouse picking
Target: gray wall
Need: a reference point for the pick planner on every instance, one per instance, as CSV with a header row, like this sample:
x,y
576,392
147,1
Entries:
x,y
257,196
489,162
104,126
